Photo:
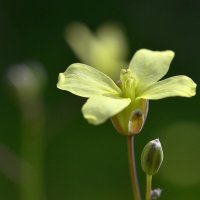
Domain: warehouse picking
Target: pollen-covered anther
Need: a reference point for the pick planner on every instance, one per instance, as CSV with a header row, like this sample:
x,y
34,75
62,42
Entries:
x,y
125,74
127,83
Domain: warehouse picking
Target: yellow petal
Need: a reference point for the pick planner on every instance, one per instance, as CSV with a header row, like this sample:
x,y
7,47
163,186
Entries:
x,y
174,86
86,81
150,66
100,108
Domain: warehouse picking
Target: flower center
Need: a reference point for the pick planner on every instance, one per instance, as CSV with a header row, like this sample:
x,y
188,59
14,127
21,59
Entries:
x,y
127,84
130,120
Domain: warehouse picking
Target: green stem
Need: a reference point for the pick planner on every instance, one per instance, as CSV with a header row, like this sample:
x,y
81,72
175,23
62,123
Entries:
x,y
133,172
148,186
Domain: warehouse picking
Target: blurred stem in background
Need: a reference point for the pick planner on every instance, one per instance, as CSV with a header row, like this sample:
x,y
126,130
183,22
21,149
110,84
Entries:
x,y
32,150
28,82
9,163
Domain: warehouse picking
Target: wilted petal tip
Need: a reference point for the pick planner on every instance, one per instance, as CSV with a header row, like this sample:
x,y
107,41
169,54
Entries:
x,y
170,53
192,86
91,119
61,80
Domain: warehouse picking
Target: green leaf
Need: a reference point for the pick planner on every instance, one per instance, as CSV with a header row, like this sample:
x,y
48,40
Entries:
x,y
85,81
150,66
100,108
174,86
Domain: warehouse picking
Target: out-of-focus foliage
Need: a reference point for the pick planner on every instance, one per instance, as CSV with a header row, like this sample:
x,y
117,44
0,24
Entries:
x,y
106,49
28,80
182,156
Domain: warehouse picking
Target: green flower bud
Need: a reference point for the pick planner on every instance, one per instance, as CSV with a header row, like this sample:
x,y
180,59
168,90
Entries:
x,y
152,157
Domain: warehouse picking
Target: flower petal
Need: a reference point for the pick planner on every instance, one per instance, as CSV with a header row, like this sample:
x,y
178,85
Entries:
x,y
104,51
80,38
150,66
85,81
100,108
175,86
112,37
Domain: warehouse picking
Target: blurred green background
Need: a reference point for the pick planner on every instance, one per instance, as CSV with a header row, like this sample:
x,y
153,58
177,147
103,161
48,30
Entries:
x,y
82,161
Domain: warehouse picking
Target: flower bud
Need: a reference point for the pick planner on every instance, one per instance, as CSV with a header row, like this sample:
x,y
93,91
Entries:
x,y
132,119
152,157
136,122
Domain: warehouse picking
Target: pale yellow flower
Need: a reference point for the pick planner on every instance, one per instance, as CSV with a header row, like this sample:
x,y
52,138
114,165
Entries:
x,y
126,102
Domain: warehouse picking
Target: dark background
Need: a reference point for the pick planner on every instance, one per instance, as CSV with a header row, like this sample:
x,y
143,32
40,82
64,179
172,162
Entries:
x,y
84,161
